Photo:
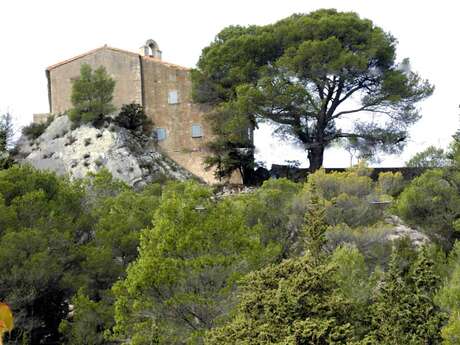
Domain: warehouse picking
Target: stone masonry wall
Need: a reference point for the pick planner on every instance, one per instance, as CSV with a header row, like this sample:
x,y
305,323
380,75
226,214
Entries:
x,y
147,81
177,119
123,67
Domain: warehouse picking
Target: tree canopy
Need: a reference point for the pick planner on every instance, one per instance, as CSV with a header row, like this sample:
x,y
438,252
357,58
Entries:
x,y
431,157
188,265
96,262
306,74
92,95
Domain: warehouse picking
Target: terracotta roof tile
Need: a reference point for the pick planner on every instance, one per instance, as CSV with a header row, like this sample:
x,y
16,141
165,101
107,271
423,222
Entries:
x,y
117,50
151,58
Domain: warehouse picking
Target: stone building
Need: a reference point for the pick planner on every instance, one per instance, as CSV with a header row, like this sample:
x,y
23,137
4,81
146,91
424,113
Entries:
x,y
163,89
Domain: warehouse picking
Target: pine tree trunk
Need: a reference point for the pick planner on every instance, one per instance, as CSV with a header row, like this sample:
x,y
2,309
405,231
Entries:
x,y
315,156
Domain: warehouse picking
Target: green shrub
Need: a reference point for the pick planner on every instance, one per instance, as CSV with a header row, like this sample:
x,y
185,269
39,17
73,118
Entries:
x,y
348,196
333,184
370,240
34,130
294,302
352,211
448,297
132,117
432,202
391,183
271,208
351,273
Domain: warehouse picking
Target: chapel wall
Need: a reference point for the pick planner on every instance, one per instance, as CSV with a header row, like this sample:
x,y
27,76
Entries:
x,y
177,118
123,68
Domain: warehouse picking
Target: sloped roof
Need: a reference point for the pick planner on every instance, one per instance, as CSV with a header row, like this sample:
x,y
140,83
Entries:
x,y
49,68
166,63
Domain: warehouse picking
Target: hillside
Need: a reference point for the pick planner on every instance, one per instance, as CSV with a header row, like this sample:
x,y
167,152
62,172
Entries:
x,y
129,157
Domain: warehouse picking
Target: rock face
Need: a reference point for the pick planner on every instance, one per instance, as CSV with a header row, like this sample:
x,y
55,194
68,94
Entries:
x,y
129,157
400,230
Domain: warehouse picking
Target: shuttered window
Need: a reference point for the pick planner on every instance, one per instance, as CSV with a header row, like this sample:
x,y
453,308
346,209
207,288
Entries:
x,y
197,131
173,97
160,134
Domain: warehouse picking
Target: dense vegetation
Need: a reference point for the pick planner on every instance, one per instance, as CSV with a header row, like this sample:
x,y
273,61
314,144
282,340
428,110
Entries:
x,y
96,262
304,74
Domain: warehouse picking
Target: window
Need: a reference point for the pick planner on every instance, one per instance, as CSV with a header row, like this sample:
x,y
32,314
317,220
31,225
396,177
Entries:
x,y
160,134
197,131
172,76
173,97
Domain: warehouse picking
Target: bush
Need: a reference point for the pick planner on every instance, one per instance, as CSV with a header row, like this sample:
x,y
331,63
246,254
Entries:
x,y
348,196
92,95
391,183
271,208
371,241
333,184
132,117
352,211
432,202
294,302
34,130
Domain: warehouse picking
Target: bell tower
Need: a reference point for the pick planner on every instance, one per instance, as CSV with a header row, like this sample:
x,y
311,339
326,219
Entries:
x,y
151,48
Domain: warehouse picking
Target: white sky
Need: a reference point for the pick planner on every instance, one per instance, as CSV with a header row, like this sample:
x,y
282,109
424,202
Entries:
x,y
37,33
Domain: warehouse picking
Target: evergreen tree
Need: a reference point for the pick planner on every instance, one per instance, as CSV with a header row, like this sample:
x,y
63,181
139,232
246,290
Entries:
x,y
404,311
315,227
448,298
118,221
295,302
92,94
132,116
232,147
428,317
306,72
184,278
6,137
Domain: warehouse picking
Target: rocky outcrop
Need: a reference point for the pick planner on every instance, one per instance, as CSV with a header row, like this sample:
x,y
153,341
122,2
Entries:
x,y
400,230
130,157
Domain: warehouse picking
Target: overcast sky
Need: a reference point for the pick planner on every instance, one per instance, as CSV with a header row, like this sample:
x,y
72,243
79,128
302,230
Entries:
x,y
36,34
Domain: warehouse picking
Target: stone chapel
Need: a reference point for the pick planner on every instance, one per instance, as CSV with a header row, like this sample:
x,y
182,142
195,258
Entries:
x,y
163,89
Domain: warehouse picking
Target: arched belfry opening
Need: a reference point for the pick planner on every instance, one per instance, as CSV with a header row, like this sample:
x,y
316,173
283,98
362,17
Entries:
x,y
151,48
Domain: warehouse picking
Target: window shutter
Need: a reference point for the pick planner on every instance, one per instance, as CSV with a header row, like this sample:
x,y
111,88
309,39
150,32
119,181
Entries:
x,y
173,97
160,134
197,131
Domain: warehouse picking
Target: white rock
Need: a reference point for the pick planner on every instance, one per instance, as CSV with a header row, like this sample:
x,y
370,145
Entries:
x,y
85,149
400,230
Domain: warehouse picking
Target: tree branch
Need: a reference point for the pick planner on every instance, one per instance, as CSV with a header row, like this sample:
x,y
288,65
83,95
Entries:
x,y
363,108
